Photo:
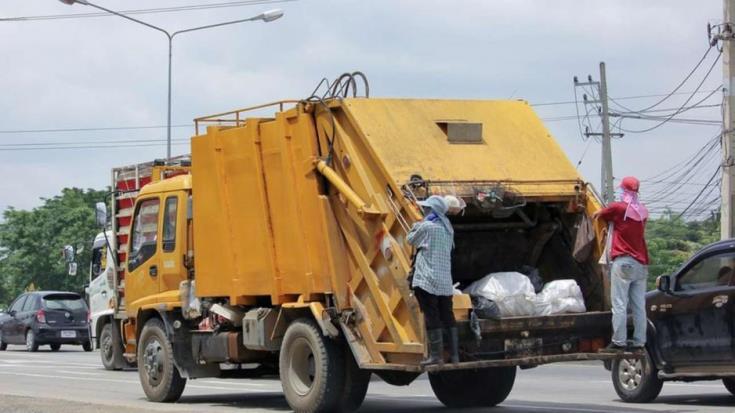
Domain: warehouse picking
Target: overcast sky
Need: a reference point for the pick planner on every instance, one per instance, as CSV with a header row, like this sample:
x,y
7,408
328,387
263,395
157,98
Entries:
x,y
107,72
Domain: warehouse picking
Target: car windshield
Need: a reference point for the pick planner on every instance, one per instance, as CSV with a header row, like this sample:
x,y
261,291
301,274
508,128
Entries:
x,y
68,302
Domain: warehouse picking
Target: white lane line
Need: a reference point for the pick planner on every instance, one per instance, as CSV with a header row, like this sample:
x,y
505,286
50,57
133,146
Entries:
x,y
46,366
566,408
195,386
79,372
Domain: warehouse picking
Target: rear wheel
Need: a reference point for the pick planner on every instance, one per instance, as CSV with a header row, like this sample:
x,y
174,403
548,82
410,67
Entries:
x,y
110,352
3,345
87,346
31,344
636,380
473,388
55,347
729,383
355,383
312,369
158,375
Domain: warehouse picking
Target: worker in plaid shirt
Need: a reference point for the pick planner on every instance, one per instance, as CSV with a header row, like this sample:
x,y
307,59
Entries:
x,y
433,239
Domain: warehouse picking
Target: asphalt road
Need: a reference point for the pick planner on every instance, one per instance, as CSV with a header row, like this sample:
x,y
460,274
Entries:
x,y
75,382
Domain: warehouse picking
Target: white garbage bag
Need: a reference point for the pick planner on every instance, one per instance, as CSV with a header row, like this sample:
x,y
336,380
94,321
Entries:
x,y
560,296
511,291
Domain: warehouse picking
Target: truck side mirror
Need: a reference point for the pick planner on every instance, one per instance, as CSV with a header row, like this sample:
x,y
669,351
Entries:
x,y
72,269
663,283
68,253
100,213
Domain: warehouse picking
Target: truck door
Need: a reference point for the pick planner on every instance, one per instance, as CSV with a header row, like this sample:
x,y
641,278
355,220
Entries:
x,y
696,324
143,264
173,233
99,290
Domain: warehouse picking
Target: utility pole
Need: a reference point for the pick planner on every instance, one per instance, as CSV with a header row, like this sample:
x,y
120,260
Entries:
x,y
606,175
607,170
727,214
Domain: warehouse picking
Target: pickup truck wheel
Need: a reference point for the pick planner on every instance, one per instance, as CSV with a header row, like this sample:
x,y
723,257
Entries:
x,y
110,352
3,345
473,388
729,383
312,369
636,380
31,344
158,375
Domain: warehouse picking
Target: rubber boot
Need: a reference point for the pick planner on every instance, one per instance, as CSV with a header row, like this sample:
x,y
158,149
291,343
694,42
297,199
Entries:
x,y
435,345
454,345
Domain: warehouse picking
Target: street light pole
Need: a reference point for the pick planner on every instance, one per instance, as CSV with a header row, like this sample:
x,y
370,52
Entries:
x,y
266,17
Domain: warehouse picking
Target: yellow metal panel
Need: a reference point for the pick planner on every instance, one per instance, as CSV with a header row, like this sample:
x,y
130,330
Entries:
x,y
406,138
234,251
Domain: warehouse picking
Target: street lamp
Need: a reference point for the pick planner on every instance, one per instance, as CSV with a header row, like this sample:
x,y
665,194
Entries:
x,y
266,17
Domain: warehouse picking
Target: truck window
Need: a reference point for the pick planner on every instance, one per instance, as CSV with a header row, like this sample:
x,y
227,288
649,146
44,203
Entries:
x,y
169,224
145,233
96,262
716,270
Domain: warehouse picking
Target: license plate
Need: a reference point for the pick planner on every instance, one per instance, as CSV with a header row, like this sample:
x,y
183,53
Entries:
x,y
68,334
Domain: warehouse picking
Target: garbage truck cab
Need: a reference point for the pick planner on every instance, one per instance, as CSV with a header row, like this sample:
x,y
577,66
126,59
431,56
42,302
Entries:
x,y
282,250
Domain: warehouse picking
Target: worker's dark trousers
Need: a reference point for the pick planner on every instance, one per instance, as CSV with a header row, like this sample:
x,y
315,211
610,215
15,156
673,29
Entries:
x,y
437,310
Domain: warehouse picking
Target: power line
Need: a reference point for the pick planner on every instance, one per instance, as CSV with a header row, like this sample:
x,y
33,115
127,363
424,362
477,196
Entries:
x,y
87,142
190,125
571,102
88,147
700,193
176,9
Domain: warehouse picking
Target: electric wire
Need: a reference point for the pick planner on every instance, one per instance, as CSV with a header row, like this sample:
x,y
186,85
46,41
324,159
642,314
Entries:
x,y
159,10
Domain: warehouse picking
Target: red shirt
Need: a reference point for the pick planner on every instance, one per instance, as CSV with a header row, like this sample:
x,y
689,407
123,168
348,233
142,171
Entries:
x,y
628,235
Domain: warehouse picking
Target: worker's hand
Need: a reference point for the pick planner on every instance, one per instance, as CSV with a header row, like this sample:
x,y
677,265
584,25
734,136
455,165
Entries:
x,y
596,215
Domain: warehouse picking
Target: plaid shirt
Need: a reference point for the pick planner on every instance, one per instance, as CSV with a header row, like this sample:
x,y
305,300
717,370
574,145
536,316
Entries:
x,y
433,267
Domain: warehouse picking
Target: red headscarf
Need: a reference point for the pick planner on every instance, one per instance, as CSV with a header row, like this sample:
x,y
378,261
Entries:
x,y
635,209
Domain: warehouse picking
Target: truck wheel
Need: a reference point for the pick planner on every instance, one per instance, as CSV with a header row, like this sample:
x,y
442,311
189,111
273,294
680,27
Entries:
x,y
55,347
636,380
158,375
312,369
31,344
87,346
356,383
473,388
3,345
729,383
110,352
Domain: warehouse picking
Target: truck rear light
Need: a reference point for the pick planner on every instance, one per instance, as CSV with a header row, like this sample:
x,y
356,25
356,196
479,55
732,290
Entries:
x,y
41,316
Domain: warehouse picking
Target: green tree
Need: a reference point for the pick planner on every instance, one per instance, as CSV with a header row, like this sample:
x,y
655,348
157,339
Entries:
x,y
31,243
672,240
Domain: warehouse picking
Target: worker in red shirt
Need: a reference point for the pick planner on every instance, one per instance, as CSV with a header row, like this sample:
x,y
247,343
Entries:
x,y
629,270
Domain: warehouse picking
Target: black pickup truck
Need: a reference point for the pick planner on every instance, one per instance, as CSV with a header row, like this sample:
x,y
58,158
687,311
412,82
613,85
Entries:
x,y
690,328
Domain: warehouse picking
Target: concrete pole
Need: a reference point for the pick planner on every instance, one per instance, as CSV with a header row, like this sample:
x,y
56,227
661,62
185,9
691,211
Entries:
x,y
727,217
608,193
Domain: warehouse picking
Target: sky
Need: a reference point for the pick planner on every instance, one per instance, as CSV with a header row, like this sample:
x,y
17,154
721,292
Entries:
x,y
107,72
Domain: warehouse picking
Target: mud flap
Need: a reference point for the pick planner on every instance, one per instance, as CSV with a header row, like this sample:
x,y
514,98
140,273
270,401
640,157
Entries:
x,y
180,336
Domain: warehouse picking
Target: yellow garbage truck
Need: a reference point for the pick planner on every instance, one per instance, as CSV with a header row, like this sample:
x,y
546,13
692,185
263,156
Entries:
x,y
280,248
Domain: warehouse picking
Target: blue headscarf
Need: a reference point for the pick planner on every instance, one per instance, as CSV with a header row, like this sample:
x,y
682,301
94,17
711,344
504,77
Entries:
x,y
438,213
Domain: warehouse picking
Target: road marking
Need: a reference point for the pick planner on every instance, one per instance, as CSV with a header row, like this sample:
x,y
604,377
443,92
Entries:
x,y
194,386
79,372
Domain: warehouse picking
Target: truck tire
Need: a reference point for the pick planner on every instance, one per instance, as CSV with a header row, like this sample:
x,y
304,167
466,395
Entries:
x,y
312,369
31,343
729,383
636,380
356,383
473,388
158,375
110,352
